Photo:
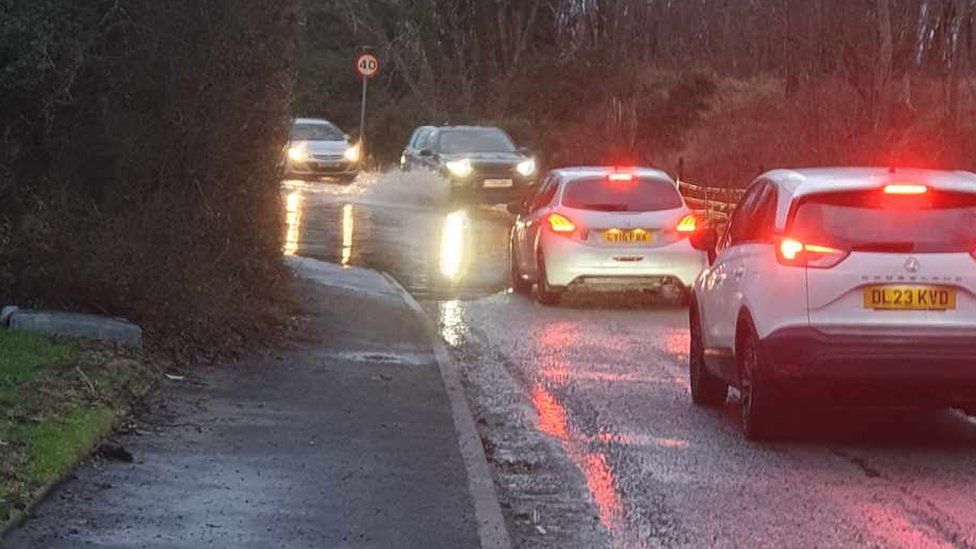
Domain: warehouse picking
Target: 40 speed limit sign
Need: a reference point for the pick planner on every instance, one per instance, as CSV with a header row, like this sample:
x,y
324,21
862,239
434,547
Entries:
x,y
367,65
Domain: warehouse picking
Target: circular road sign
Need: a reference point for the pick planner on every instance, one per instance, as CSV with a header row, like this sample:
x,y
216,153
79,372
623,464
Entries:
x,y
367,65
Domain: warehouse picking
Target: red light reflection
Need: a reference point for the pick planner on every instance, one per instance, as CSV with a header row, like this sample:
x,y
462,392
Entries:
x,y
554,421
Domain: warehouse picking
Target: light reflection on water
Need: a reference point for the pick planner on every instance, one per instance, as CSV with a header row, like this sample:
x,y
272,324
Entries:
x,y
348,227
452,244
435,254
293,221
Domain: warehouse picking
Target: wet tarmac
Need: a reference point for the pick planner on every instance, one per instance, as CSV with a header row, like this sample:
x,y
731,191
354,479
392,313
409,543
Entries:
x,y
586,415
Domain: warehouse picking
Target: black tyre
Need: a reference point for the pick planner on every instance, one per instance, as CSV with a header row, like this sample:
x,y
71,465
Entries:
x,y
545,294
346,179
706,388
519,284
758,405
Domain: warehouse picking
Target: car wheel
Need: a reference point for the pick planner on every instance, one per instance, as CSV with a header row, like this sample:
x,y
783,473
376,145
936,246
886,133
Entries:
x,y
706,388
545,294
757,401
347,179
519,284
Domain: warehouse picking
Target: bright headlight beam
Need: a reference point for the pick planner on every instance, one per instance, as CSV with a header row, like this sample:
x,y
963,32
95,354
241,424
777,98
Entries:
x,y
352,153
297,153
526,167
460,168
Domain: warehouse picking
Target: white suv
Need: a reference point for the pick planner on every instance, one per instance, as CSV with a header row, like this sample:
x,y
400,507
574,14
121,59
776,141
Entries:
x,y
856,281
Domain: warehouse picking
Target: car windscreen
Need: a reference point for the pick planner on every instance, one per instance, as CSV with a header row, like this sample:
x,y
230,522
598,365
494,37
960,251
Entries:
x,y
316,132
638,195
872,221
474,141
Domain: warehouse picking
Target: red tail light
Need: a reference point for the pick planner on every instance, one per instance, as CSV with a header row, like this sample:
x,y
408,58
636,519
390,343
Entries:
x,y
794,253
560,224
687,225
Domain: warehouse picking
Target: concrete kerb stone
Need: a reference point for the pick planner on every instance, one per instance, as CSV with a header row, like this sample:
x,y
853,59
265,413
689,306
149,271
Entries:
x,y
73,325
488,513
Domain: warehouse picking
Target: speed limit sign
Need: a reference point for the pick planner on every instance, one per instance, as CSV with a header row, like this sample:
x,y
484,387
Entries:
x,y
367,65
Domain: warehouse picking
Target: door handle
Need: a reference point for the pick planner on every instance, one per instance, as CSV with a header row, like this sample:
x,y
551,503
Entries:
x,y
738,273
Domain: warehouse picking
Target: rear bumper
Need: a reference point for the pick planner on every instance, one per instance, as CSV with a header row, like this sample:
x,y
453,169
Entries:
x,y
572,263
931,367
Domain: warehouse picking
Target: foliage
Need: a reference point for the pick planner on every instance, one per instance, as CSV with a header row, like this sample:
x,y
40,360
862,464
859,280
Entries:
x,y
139,143
653,80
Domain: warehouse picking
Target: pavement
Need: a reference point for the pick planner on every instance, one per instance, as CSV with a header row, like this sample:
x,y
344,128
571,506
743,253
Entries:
x,y
345,438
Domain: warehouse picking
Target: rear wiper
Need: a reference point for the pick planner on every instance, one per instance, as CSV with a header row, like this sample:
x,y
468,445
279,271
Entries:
x,y
893,247
606,207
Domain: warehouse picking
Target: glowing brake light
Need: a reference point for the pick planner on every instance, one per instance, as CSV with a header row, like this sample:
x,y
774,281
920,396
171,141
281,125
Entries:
x,y
905,189
687,225
794,253
560,224
620,177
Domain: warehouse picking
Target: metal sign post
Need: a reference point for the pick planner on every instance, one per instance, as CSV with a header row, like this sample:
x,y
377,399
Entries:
x,y
367,66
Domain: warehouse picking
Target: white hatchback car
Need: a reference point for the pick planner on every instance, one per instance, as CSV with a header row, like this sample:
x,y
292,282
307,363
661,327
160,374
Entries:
x,y
604,229
857,282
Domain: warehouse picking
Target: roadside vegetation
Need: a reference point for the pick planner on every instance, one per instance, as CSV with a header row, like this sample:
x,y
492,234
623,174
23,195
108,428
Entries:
x,y
139,151
730,87
57,400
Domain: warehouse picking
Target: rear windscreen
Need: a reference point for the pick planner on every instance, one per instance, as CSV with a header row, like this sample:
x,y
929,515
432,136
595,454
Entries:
x,y
872,221
640,195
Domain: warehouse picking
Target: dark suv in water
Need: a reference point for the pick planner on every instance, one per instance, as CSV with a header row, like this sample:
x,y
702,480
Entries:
x,y
481,163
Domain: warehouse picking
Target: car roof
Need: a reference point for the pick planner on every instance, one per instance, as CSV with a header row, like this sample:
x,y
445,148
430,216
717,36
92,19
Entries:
x,y
578,172
796,183
819,180
469,128
320,121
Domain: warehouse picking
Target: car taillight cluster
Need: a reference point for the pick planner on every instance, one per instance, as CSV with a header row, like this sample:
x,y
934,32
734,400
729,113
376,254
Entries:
x,y
687,225
793,253
560,224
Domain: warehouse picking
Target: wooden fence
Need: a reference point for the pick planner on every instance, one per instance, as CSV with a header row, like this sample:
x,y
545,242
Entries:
x,y
717,203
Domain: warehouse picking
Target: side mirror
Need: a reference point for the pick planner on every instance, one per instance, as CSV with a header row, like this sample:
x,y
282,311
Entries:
x,y
426,153
515,207
705,240
525,151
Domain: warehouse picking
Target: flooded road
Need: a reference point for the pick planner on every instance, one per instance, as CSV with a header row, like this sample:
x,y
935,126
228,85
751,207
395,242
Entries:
x,y
401,224
585,412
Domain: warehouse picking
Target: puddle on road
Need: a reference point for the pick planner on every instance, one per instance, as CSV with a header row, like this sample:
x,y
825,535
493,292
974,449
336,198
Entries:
x,y
401,224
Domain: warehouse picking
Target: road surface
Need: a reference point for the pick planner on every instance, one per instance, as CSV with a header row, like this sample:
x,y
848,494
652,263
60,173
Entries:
x,y
585,413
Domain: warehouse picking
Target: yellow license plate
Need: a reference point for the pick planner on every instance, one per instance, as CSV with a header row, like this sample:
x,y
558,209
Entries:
x,y
636,236
910,298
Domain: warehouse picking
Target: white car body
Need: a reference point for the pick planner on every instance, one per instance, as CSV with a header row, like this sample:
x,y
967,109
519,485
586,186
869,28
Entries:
x,y
321,157
814,325
584,258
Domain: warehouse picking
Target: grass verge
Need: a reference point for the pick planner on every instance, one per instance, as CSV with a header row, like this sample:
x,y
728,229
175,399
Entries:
x,y
57,400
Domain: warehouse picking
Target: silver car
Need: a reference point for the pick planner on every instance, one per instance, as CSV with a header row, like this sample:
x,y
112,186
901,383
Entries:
x,y
599,228
317,148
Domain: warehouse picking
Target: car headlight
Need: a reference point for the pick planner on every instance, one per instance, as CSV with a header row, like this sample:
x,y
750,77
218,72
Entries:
x,y
460,168
298,153
352,153
526,167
